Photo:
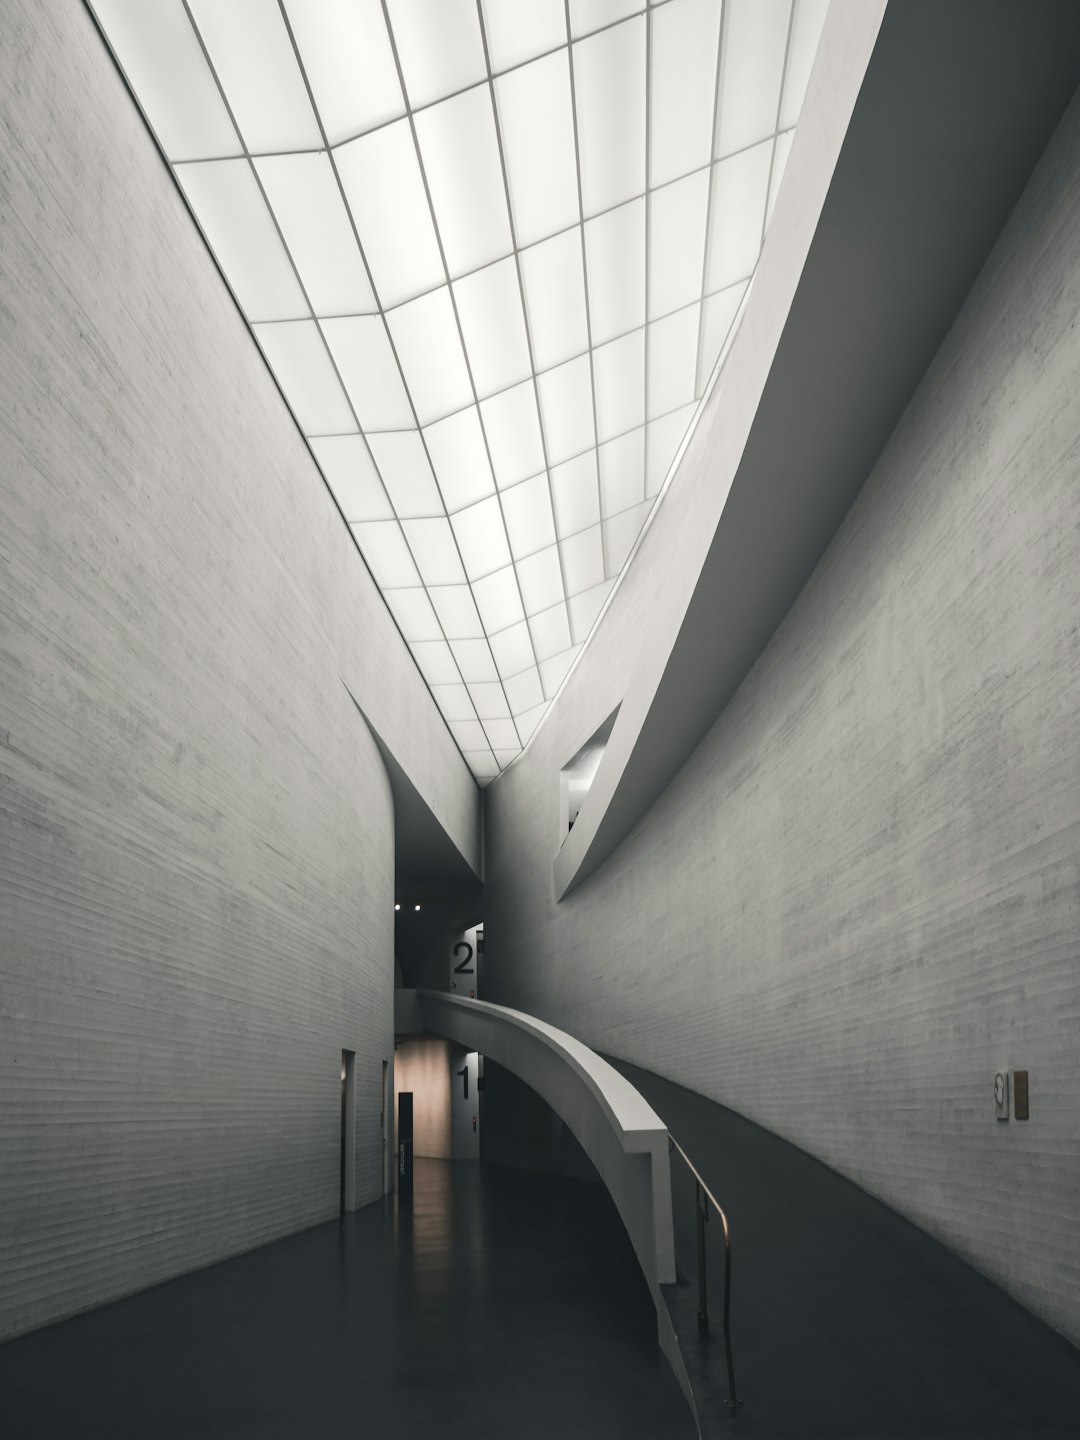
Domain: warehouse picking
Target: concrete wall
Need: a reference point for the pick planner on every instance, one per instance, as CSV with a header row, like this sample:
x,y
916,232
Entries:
x,y
859,897
196,832
422,1066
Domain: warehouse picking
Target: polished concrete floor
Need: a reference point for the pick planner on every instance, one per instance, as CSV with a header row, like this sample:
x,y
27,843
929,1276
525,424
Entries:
x,y
500,1303
847,1321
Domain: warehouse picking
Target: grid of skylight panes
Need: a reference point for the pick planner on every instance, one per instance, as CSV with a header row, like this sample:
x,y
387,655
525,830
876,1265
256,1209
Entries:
x,y
491,250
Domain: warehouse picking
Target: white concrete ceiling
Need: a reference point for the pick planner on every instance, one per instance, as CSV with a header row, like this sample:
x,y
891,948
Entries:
x,y
492,251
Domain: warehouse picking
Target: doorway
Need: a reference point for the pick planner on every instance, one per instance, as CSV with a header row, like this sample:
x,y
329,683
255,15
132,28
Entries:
x,y
348,1132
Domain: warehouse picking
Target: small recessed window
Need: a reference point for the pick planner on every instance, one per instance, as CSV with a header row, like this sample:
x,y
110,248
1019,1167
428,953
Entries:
x,y
576,777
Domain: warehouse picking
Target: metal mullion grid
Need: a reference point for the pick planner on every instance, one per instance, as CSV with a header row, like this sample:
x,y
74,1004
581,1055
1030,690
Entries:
x,y
464,348
776,122
401,373
307,300
621,435
525,313
584,265
720,37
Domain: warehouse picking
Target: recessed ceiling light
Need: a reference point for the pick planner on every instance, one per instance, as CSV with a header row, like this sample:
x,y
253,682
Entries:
x,y
417,907
397,907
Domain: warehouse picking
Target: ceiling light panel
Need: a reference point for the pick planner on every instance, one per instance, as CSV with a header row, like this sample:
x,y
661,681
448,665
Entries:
x,y
349,64
554,281
673,346
302,368
365,360
383,547
524,692
456,610
685,34
677,216
230,209
403,465
566,409
583,561
615,261
459,455
434,215
461,162
481,538
513,652
740,187
530,524
490,701
609,98
622,472
550,632
619,376
493,324
250,49
351,474
576,492
381,177
304,196
540,579
428,346
512,425
474,660
434,550
539,152
415,618
589,15
161,56
751,71
439,46
516,32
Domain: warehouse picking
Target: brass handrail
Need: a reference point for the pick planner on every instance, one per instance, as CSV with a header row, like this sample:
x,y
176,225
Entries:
x,y
702,1190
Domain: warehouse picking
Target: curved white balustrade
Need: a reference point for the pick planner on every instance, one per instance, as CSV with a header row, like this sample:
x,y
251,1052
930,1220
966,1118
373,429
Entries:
x,y
616,1127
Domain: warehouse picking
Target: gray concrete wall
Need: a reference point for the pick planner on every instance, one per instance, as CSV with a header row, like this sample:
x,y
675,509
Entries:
x,y
196,832
859,897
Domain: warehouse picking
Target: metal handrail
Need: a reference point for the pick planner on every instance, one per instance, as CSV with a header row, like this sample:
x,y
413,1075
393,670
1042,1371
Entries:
x,y
701,1193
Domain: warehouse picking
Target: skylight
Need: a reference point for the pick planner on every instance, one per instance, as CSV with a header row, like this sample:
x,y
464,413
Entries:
x,y
492,251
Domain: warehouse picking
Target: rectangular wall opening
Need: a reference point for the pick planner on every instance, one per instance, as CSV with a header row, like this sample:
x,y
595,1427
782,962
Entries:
x,y
348,1131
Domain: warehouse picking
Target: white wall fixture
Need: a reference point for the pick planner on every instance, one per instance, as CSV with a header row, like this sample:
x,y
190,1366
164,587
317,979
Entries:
x,y
491,253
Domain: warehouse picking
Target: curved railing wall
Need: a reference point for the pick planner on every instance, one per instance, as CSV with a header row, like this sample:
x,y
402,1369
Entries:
x,y
616,1127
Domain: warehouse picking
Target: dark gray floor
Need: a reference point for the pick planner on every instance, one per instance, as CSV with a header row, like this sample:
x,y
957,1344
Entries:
x,y
503,1304
847,1321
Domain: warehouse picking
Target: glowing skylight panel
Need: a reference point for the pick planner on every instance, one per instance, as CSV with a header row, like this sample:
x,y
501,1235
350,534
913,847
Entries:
x,y
684,49
249,48
542,171
554,281
240,230
751,72
385,190
517,32
164,62
439,46
349,63
493,324
493,253
365,360
306,202
609,91
302,368
428,346
460,152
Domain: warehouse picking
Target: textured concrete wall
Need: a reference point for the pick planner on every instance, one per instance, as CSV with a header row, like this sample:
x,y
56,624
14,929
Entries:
x,y
860,896
196,831
422,1066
